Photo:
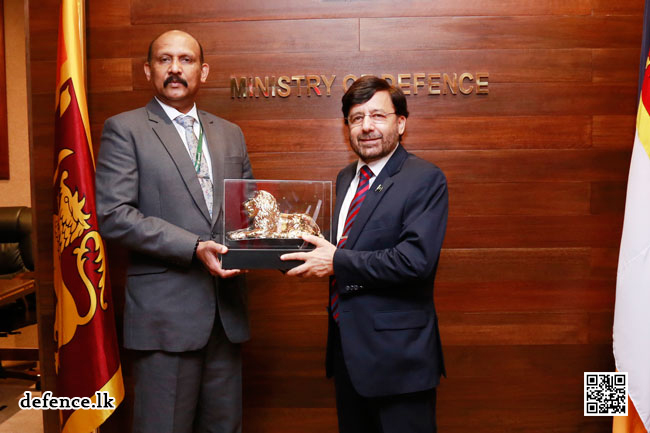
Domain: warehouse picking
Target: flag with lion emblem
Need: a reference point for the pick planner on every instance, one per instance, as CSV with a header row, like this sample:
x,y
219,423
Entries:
x,y
87,359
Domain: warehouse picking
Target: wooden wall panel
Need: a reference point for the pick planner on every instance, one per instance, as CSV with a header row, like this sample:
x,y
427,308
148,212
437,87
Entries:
x,y
531,165
245,37
514,66
611,65
168,11
608,198
4,138
514,264
538,199
98,14
113,13
500,32
113,75
621,7
613,132
537,172
547,231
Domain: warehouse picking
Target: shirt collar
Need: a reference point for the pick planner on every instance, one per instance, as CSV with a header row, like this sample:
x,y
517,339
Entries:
x,y
378,165
173,113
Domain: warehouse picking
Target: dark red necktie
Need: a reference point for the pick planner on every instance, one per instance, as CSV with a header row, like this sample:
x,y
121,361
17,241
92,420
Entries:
x,y
365,174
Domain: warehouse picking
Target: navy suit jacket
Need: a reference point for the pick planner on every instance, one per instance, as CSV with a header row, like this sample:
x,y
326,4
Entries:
x,y
385,274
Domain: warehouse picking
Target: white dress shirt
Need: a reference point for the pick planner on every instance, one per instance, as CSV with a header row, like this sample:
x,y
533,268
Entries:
x,y
376,167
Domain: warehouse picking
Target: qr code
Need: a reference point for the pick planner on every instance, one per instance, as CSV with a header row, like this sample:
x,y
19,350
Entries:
x,y
606,394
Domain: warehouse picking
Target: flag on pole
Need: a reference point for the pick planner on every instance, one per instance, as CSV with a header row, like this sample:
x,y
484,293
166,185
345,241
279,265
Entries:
x,y
632,311
87,358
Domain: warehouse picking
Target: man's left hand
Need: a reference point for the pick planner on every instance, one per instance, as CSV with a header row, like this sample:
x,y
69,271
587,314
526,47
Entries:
x,y
318,262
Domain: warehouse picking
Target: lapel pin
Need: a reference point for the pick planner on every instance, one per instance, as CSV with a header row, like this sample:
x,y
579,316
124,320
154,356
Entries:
x,y
379,188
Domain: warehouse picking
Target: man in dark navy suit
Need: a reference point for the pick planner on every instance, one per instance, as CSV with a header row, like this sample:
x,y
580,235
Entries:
x,y
390,218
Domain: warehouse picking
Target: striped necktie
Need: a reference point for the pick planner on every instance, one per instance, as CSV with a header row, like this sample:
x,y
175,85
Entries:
x,y
365,174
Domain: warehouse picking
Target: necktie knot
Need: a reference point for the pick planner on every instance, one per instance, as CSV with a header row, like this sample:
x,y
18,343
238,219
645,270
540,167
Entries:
x,y
186,122
365,173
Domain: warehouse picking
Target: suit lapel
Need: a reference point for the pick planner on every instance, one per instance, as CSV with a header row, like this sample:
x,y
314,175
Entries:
x,y
168,135
342,185
375,194
212,134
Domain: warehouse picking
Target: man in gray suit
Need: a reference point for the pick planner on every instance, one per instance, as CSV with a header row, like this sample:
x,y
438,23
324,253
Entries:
x,y
159,177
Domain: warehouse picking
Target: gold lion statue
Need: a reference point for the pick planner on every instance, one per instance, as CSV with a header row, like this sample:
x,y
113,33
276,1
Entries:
x,y
270,223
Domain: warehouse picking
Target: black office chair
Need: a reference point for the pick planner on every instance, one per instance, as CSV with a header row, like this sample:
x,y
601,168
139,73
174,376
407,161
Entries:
x,y
15,259
15,241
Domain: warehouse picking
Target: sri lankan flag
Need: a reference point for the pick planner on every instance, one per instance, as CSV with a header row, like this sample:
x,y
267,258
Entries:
x,y
87,358
632,312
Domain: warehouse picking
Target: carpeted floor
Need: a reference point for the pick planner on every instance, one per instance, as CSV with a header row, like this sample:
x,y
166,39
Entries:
x,y
12,418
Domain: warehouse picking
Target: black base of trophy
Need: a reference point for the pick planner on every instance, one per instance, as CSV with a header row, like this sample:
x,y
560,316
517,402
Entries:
x,y
263,253
258,259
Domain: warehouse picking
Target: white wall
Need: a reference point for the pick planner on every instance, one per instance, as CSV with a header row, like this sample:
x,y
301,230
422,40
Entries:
x,y
16,191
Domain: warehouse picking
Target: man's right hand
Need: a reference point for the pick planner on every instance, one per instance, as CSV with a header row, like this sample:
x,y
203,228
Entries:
x,y
208,253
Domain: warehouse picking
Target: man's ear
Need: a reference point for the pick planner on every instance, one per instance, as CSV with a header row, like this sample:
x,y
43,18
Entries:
x,y
401,125
147,71
205,70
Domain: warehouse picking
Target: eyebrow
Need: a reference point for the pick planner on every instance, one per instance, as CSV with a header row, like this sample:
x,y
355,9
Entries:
x,y
184,54
352,112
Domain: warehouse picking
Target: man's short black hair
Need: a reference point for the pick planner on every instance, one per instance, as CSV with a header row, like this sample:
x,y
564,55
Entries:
x,y
150,52
364,88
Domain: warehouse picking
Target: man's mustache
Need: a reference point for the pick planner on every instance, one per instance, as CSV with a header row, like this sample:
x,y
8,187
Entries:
x,y
174,79
369,136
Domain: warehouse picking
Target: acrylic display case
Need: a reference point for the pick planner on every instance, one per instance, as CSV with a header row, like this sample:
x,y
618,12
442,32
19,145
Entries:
x,y
264,219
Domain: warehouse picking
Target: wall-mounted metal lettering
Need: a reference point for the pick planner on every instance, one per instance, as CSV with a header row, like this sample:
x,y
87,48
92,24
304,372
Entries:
x,y
420,83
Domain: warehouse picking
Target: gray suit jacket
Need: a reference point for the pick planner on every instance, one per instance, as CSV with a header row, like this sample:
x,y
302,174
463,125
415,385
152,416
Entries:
x,y
149,200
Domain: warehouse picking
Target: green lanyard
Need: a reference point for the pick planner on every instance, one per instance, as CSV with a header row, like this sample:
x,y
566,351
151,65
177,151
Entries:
x,y
199,149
